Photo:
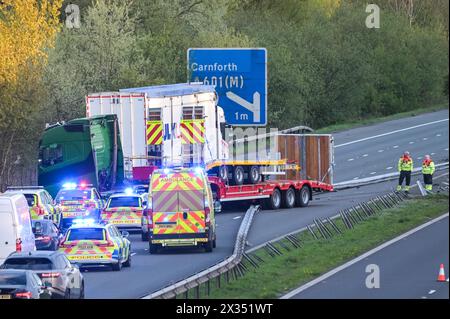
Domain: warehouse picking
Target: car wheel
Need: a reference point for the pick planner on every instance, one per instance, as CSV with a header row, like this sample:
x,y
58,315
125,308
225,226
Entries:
x,y
127,263
274,201
214,243
209,246
82,290
67,294
144,236
153,249
289,198
118,265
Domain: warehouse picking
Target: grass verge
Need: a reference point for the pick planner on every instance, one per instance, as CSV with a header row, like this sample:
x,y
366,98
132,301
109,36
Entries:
x,y
375,120
278,275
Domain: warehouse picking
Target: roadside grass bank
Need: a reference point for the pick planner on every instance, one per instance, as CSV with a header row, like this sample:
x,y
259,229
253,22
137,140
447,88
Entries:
x,y
278,275
363,122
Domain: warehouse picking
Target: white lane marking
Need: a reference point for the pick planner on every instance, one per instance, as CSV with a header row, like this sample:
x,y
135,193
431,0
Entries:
x,y
433,153
355,177
237,217
132,254
438,135
350,159
395,146
389,133
431,292
390,167
358,259
446,149
420,157
380,151
411,142
365,155
373,173
425,138
423,297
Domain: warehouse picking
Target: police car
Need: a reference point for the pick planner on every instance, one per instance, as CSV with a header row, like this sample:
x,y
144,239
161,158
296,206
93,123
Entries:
x,y
124,210
90,243
40,202
78,201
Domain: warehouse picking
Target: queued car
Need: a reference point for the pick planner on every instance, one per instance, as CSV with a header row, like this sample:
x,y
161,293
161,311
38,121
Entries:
x,y
124,210
91,243
63,279
46,235
40,202
78,201
22,284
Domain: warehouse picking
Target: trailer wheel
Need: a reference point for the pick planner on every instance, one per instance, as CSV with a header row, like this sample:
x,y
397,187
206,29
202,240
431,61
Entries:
x,y
254,175
303,197
274,201
289,198
238,175
223,173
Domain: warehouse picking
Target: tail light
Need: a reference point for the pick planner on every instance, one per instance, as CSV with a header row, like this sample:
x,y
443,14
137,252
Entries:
x,y
24,295
109,243
18,244
51,275
64,245
40,211
207,219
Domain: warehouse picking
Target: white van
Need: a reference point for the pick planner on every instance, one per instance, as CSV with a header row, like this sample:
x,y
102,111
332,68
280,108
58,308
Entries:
x,y
15,225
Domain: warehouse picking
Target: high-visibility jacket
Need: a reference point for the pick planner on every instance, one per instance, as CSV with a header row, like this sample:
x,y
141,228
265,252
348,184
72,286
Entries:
x,y
428,167
405,164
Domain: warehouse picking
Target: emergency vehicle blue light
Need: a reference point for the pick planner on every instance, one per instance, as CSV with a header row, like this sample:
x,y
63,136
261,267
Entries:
x,y
70,185
167,171
198,170
129,191
86,221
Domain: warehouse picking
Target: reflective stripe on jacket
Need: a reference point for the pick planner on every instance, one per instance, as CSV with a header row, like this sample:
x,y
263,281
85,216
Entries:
x,y
405,164
428,167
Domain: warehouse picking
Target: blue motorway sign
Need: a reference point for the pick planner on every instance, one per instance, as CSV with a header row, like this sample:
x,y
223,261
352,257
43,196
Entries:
x,y
240,78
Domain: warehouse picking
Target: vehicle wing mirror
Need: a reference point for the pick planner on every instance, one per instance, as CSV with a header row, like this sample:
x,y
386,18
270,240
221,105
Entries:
x,y
125,234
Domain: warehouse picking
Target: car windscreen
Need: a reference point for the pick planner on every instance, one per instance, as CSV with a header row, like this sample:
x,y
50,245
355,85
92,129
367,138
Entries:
x,y
40,227
31,199
72,194
126,201
86,234
13,279
30,263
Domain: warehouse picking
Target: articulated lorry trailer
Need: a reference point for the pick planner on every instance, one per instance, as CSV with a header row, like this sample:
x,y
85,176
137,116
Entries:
x,y
184,125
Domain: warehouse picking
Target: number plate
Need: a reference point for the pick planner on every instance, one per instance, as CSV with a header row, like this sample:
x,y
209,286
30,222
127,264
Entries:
x,y
84,247
5,296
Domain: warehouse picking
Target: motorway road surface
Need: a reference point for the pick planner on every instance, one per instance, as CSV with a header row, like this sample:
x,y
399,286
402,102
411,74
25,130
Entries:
x,y
408,269
152,272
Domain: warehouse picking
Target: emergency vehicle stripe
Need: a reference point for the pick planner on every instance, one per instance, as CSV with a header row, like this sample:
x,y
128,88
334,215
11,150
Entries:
x,y
192,131
195,217
190,199
154,132
179,181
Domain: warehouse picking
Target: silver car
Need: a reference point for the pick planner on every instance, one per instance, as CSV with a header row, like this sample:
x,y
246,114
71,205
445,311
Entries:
x,y
53,268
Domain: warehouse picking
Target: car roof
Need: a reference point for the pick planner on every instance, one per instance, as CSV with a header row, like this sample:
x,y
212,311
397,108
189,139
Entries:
x,y
93,225
25,191
36,253
44,221
125,195
17,271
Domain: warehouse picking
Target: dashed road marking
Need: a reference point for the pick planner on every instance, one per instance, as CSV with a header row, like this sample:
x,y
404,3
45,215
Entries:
x,y
355,177
373,173
446,149
132,254
433,153
431,292
425,138
411,142
395,146
380,151
365,155
350,159
438,135
237,217
420,157
390,167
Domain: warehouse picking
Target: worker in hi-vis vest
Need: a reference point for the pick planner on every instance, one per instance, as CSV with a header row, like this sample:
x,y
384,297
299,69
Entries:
x,y
428,171
405,167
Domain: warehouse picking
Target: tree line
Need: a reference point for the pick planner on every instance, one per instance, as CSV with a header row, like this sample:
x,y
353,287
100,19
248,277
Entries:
x,y
325,66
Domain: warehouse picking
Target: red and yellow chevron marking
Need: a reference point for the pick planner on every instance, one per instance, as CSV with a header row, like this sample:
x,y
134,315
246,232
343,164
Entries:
x,y
154,132
177,181
195,222
165,223
192,131
88,250
122,215
174,223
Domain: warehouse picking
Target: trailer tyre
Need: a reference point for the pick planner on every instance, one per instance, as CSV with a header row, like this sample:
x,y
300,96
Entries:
x,y
289,198
303,197
223,173
274,201
238,175
254,175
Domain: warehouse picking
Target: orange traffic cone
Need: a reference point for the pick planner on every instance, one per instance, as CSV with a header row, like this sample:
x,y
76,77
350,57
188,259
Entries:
x,y
441,276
